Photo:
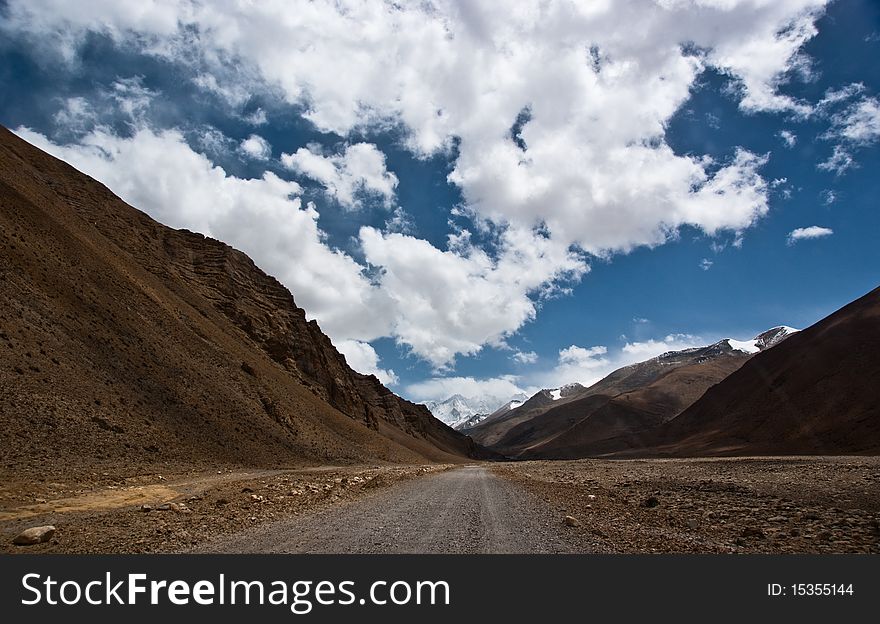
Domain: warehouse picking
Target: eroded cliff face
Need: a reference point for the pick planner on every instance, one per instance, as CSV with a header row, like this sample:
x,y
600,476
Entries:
x,y
267,313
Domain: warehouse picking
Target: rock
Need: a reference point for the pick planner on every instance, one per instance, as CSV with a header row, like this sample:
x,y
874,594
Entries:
x,y
163,507
795,532
246,490
651,501
777,519
753,532
571,521
34,535
591,496
693,524
146,508
221,501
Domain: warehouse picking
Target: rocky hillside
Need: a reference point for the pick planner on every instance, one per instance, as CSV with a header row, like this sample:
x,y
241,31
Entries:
x,y
814,394
631,401
126,344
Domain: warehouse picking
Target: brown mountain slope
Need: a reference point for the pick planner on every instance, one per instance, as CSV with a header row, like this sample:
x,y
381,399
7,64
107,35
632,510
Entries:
x,y
124,343
631,399
489,431
815,393
633,413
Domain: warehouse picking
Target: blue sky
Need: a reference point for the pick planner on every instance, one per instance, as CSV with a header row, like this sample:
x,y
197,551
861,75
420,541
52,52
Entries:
x,y
482,201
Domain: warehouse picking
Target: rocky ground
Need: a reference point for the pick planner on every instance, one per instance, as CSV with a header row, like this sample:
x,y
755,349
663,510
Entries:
x,y
174,513
736,505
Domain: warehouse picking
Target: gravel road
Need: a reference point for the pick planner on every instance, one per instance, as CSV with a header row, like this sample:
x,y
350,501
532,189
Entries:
x,y
466,510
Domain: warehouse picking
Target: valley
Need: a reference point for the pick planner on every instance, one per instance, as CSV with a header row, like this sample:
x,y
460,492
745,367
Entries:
x,y
160,393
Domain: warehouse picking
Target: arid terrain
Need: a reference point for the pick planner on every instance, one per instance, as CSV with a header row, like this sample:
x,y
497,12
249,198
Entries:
x,y
160,393
736,505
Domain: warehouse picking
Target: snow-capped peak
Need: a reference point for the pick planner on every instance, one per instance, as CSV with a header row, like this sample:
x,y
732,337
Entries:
x,y
764,340
458,409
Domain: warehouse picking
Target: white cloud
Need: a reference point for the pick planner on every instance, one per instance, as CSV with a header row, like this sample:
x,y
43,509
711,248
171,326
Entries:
x,y
586,366
597,169
788,137
257,118
633,352
256,147
458,300
833,97
362,357
828,197
575,364
706,264
596,174
160,174
525,357
805,233
360,169
839,161
441,388
859,124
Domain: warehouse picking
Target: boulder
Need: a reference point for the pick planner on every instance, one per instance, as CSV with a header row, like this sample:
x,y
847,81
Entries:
x,y
34,535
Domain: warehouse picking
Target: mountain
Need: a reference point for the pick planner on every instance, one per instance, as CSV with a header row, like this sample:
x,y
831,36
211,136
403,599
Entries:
x,y
492,428
630,401
815,393
129,346
456,410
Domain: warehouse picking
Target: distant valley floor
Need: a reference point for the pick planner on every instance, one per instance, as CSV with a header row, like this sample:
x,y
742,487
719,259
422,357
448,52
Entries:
x,y
751,505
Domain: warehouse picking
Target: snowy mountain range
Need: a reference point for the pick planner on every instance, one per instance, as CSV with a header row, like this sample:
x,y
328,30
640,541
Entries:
x,y
464,413
457,409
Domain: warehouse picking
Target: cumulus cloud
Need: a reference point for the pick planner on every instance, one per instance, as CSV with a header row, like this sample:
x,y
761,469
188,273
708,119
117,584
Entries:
x,y
706,264
256,147
359,170
805,233
639,351
441,388
597,169
160,174
362,357
458,300
588,169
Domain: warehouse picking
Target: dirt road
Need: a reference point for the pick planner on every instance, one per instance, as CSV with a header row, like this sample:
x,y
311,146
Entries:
x,y
466,510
